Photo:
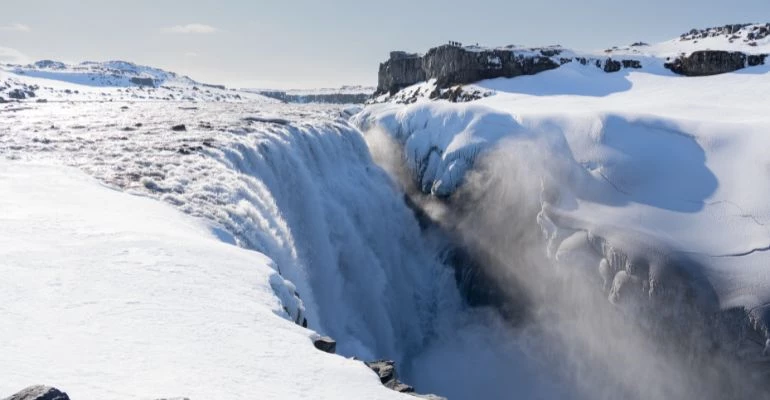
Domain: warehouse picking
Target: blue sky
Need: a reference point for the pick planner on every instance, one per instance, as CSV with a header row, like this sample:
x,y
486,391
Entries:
x,y
305,43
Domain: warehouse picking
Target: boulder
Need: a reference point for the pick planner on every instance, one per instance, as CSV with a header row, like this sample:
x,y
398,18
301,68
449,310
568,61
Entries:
x,y
179,128
39,392
325,344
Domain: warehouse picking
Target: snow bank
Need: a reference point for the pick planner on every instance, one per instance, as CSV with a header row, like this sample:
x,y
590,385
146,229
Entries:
x,y
645,185
111,296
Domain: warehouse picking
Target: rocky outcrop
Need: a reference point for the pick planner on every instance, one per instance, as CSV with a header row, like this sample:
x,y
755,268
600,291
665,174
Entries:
x,y
149,82
386,371
326,344
713,62
401,70
452,65
17,94
39,392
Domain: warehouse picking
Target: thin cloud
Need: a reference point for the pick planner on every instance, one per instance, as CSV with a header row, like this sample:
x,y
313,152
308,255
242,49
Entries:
x,y
191,28
15,28
12,56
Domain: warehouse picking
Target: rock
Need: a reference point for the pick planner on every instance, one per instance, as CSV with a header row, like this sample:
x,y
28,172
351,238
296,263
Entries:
x,y
2,100
179,128
386,371
17,94
713,62
400,71
141,82
611,65
452,65
756,59
325,344
39,392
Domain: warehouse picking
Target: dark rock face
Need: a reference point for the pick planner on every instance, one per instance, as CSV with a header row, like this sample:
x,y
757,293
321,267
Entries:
x,y
713,62
400,71
179,128
143,81
326,344
452,65
39,392
756,59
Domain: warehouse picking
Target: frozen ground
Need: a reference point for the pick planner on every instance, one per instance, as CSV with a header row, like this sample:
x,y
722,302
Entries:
x,y
112,296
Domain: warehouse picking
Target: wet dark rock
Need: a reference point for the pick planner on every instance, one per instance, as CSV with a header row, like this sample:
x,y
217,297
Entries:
x,y
179,128
39,392
326,344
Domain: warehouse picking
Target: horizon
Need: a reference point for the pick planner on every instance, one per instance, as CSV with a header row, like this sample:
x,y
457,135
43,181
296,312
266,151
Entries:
x,y
273,46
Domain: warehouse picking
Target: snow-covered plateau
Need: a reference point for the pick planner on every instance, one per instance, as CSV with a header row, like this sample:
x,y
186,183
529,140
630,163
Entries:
x,y
571,234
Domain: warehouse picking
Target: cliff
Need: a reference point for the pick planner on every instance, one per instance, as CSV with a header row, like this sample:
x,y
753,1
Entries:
x,y
453,64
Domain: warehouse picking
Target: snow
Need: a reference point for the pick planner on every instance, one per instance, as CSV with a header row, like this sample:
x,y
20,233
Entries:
x,y
306,193
113,81
113,296
639,178
708,39
657,150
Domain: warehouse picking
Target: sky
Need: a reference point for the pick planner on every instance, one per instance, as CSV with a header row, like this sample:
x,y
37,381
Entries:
x,y
317,43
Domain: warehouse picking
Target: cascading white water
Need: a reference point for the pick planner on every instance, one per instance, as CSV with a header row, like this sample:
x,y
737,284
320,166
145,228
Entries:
x,y
651,329
308,194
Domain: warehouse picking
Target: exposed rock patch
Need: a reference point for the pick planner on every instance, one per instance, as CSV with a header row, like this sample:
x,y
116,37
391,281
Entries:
x,y
713,62
39,392
326,344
